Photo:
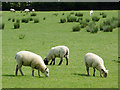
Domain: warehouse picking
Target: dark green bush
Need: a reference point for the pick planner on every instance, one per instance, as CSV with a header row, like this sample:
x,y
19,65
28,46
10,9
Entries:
x,y
92,27
21,36
36,20
2,26
71,19
79,19
9,19
107,28
83,23
87,20
25,20
71,12
62,20
107,22
24,14
104,16
102,13
114,18
30,19
79,14
33,14
44,18
114,24
16,25
13,20
87,28
76,28
17,21
56,14
95,18
63,14
101,26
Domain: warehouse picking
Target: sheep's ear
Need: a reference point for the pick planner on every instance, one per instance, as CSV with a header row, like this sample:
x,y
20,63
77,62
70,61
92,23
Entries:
x,y
107,70
102,70
45,69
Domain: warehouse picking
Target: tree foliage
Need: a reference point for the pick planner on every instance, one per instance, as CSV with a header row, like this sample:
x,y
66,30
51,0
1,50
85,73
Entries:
x,y
57,6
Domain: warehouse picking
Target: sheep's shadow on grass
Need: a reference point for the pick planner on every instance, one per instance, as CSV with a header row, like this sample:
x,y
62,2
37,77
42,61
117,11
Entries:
x,y
10,76
117,61
6,75
78,74
85,75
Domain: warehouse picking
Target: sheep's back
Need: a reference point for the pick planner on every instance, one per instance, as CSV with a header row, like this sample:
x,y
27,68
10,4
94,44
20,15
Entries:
x,y
93,59
29,58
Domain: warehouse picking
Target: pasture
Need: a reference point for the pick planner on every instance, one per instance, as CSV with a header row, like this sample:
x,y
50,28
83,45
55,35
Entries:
x,y
40,37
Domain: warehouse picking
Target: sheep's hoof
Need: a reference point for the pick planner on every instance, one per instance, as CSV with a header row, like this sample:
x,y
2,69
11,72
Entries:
x,y
94,75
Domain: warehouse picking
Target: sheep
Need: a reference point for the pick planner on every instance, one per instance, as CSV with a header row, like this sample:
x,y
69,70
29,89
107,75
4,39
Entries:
x,y
33,10
33,60
91,12
26,10
93,60
12,10
58,51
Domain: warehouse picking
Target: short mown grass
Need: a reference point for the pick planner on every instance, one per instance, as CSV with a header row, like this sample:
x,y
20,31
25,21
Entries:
x,y
39,38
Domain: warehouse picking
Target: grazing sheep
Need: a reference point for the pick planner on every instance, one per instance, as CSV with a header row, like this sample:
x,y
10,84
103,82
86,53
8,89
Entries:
x,y
12,10
33,60
93,60
26,10
33,10
91,12
58,51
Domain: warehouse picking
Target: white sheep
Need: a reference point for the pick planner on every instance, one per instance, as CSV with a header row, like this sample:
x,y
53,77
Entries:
x,y
91,12
12,10
33,60
26,10
93,60
58,51
33,10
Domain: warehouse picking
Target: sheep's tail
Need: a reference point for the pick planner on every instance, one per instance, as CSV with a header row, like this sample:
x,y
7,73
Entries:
x,y
67,53
15,56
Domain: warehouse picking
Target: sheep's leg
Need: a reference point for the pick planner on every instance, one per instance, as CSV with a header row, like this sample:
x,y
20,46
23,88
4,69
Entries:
x,y
101,74
16,70
54,61
51,62
19,67
39,73
66,60
94,72
87,68
21,72
60,61
33,72
88,71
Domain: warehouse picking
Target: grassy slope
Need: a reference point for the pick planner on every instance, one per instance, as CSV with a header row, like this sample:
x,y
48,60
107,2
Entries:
x,y
39,38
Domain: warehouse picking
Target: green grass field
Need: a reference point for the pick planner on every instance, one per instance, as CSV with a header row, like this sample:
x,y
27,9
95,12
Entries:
x,y
40,37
